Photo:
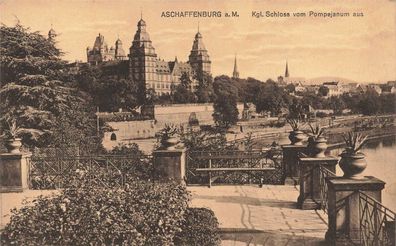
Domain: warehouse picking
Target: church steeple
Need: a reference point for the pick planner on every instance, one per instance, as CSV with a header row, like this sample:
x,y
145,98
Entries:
x,y
287,71
235,73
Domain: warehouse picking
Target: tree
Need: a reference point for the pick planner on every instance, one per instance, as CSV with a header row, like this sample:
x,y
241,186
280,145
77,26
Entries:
x,y
109,92
290,88
185,81
323,91
183,95
369,104
204,90
32,90
271,97
225,104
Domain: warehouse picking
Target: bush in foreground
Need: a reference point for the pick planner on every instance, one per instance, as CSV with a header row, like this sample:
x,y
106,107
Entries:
x,y
141,214
199,228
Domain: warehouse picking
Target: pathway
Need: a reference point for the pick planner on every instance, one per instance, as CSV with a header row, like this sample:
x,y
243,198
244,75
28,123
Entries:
x,y
249,215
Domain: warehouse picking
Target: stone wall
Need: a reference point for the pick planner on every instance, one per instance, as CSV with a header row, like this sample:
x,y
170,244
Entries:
x,y
180,113
177,114
124,131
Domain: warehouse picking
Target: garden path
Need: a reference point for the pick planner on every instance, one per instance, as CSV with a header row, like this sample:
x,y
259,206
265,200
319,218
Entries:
x,y
249,215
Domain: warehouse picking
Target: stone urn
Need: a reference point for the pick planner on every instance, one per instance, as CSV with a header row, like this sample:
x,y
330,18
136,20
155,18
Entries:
x,y
317,146
353,164
296,137
13,145
170,143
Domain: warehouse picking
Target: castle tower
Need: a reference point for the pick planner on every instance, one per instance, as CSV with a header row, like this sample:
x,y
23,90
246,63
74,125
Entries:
x,y
287,71
119,50
51,34
235,73
100,51
142,59
199,57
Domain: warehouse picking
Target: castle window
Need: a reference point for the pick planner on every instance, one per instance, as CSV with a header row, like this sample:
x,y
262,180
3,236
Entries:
x,y
113,137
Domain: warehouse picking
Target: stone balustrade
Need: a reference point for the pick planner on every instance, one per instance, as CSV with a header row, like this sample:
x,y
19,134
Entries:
x,y
14,172
290,162
310,188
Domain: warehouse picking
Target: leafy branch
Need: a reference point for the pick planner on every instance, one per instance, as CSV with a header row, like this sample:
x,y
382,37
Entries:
x,y
14,131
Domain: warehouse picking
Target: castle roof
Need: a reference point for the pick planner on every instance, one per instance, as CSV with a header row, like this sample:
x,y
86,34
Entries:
x,y
51,32
100,43
173,67
198,44
141,23
141,34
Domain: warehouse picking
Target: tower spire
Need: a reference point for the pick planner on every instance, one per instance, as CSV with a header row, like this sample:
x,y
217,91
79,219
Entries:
x,y
287,71
235,73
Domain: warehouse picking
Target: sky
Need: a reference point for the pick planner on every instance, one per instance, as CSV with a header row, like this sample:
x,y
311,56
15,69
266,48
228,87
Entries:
x,y
362,49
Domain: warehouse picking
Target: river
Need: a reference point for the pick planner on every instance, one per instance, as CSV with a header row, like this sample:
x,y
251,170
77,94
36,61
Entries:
x,y
381,163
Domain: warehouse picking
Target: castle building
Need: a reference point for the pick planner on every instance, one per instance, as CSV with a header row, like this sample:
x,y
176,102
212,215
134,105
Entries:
x,y
145,67
102,53
235,73
51,34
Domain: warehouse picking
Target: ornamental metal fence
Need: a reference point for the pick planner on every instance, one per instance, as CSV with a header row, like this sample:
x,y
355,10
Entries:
x,y
235,167
50,172
377,223
324,173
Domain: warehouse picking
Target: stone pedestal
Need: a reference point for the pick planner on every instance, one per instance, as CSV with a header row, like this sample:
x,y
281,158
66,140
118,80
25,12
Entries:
x,y
14,172
343,207
310,176
290,162
170,164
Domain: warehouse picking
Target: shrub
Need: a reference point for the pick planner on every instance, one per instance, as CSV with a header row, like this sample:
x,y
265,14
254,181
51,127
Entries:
x,y
199,228
142,213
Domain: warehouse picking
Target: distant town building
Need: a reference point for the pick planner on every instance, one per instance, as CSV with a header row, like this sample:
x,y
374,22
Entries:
x,y
369,88
299,87
312,89
391,83
235,73
335,88
375,89
146,68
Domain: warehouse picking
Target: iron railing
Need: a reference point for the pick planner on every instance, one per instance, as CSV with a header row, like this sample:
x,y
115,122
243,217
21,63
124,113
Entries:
x,y
235,167
377,223
115,171
324,173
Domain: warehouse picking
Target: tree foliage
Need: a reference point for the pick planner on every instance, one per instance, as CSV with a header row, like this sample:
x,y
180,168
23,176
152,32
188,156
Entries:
x,y
225,105
33,89
108,92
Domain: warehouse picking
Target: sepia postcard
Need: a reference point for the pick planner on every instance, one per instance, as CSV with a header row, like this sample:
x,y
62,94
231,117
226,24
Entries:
x,y
182,122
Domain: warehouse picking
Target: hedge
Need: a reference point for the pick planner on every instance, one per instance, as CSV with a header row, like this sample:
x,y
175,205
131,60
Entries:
x,y
142,214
